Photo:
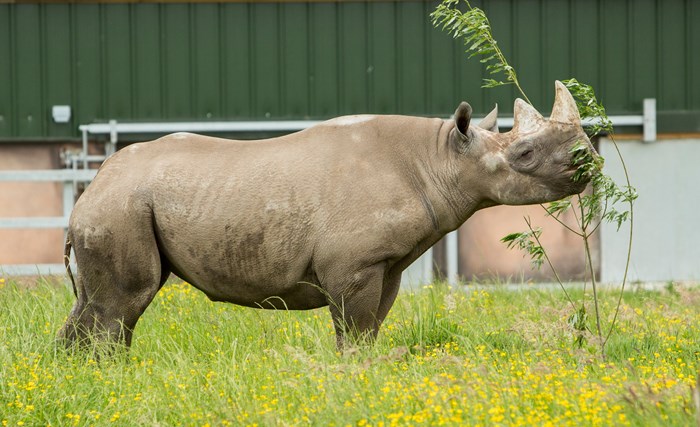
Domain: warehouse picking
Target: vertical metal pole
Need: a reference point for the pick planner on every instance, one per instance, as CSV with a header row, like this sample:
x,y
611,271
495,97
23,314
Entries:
x,y
70,190
68,199
649,119
452,253
85,149
427,267
111,147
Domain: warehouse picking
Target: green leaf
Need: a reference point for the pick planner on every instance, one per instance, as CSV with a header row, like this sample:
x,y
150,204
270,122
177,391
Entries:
x,y
527,241
557,208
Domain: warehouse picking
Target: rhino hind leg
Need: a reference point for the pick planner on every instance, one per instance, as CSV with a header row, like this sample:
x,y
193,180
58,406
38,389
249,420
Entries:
x,y
119,273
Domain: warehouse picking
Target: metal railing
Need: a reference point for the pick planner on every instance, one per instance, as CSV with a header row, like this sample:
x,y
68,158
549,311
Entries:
x,y
69,178
113,128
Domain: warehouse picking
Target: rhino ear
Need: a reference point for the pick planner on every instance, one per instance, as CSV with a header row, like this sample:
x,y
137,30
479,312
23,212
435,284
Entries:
x,y
490,122
565,109
463,116
525,117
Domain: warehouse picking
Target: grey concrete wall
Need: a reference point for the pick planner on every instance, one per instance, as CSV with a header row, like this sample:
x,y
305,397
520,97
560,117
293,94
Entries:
x,y
666,239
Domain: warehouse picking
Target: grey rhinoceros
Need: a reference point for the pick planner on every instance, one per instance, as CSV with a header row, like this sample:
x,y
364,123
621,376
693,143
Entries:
x,y
329,216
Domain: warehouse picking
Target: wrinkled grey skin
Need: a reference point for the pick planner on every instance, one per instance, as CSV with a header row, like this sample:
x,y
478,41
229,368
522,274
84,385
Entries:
x,y
329,216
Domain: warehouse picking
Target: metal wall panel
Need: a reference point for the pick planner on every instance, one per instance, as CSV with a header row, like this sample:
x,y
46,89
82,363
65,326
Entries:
x,y
665,242
28,63
88,100
256,61
56,71
6,75
692,21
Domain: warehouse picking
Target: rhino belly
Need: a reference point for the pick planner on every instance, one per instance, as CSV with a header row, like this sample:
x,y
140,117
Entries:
x,y
256,265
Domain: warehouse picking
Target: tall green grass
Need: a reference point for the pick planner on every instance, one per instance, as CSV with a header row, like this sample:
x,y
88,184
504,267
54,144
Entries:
x,y
443,357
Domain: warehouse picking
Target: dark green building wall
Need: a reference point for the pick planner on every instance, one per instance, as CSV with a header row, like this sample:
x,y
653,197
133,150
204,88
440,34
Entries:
x,y
261,61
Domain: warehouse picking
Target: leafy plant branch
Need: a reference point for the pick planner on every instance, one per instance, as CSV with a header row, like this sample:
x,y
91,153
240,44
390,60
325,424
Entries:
x,y
595,207
529,241
600,204
474,27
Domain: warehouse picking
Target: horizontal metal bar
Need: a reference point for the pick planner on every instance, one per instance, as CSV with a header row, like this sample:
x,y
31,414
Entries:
x,y
507,122
56,175
620,120
168,127
93,157
34,222
34,269
263,126
39,140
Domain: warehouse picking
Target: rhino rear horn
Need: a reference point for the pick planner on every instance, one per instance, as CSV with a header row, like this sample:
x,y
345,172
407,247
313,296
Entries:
x,y
525,117
463,116
490,122
565,109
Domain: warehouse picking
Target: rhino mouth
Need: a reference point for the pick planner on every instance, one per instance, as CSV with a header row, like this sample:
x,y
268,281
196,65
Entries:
x,y
585,163
575,176
566,186
580,185
578,177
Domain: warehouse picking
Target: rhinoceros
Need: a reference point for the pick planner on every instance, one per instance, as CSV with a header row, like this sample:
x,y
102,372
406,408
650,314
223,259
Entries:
x,y
329,216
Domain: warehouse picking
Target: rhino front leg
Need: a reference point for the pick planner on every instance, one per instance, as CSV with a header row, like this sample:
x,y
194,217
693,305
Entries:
x,y
389,292
354,301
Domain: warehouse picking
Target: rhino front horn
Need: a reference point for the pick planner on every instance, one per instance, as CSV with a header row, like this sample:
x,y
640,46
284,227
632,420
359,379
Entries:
x,y
565,109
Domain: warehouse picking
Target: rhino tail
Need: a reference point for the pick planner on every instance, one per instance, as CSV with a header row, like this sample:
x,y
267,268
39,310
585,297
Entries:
x,y
66,262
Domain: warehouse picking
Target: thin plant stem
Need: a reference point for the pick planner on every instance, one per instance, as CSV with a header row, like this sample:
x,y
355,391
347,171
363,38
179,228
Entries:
x,y
562,223
600,221
629,245
594,286
513,77
549,262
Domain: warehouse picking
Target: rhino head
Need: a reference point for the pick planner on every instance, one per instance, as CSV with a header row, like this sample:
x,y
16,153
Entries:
x,y
533,163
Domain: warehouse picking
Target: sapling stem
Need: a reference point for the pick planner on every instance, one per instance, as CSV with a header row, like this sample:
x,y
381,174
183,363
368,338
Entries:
x,y
589,262
549,262
562,223
629,245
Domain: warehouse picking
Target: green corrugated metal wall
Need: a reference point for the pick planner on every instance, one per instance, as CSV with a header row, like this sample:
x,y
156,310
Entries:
x,y
146,62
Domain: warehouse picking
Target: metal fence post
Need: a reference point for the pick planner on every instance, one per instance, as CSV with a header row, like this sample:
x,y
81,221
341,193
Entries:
x,y
427,266
111,146
649,119
452,250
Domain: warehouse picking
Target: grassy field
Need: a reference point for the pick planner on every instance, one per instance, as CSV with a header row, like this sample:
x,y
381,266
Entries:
x,y
444,357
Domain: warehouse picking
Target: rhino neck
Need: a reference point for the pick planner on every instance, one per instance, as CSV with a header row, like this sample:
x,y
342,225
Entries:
x,y
446,189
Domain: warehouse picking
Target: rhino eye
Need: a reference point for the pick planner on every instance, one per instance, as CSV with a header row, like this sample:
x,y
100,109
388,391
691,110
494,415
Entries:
x,y
523,158
527,154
